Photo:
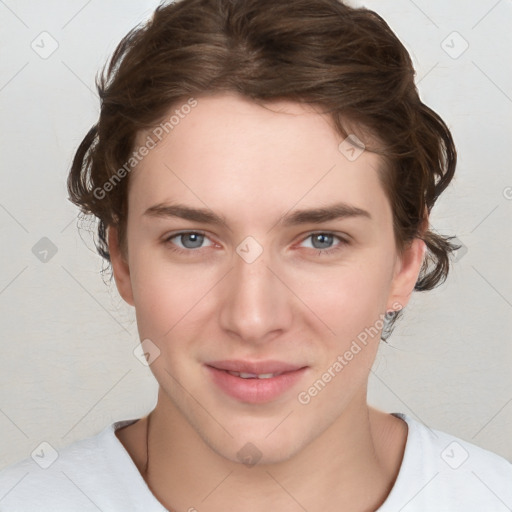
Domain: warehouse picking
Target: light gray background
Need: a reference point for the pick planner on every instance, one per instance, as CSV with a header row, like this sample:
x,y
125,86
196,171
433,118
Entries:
x,y
67,367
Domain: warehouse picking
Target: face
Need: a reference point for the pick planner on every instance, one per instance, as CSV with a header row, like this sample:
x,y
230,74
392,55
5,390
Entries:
x,y
255,245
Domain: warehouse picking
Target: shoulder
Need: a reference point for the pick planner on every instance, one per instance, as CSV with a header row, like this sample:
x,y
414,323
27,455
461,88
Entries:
x,y
442,472
88,474
46,473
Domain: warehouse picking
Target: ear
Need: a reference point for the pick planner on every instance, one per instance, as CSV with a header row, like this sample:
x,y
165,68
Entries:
x,y
407,269
120,266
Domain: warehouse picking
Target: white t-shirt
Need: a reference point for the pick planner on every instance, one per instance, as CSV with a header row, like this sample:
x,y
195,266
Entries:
x,y
439,473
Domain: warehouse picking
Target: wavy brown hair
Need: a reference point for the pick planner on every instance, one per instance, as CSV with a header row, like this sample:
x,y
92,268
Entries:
x,y
321,52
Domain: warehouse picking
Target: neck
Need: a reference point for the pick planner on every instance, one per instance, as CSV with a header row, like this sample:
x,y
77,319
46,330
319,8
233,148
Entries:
x,y
352,465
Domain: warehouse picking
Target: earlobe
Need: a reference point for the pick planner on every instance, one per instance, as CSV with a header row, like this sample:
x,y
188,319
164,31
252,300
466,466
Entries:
x,y
120,266
406,274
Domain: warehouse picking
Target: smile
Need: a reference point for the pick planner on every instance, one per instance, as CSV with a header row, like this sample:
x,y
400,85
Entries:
x,y
255,387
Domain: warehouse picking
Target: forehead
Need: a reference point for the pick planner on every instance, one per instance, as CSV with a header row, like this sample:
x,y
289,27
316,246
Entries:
x,y
232,154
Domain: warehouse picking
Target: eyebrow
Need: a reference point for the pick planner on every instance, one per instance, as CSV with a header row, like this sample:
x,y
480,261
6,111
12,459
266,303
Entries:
x,y
202,215
306,216
324,214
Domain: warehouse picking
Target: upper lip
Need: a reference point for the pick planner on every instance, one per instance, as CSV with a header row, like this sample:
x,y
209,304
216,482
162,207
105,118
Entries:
x,y
256,367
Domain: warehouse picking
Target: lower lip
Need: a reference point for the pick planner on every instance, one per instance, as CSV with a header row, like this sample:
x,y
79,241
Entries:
x,y
255,391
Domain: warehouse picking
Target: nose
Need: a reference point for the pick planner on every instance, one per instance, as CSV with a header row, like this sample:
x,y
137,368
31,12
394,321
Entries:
x,y
256,306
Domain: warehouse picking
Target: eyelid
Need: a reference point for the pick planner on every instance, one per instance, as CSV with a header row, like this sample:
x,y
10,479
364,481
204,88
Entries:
x,y
169,236
329,251
172,234
343,238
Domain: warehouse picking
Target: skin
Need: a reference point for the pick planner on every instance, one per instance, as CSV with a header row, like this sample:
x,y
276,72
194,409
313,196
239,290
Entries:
x,y
252,165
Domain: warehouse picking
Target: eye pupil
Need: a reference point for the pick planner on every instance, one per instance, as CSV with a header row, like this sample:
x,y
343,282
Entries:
x,y
323,239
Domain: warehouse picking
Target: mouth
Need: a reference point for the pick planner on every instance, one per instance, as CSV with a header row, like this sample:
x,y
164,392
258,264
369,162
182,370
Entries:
x,y
254,382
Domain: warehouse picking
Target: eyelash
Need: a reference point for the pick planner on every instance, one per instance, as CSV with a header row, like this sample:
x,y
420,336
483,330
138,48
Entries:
x,y
189,252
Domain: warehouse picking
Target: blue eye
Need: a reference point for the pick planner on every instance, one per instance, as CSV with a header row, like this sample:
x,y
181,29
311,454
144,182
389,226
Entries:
x,y
189,240
324,242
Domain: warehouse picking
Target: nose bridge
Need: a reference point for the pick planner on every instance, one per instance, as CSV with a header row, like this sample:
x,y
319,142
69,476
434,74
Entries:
x,y
255,302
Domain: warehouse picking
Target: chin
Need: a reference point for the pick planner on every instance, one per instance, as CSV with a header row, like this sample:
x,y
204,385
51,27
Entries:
x,y
261,443
258,453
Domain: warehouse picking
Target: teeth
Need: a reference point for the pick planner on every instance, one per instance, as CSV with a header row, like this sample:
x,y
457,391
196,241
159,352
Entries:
x,y
248,375
244,375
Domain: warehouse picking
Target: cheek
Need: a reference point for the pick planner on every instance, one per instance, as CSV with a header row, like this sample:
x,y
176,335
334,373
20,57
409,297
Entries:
x,y
350,304
347,299
167,297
